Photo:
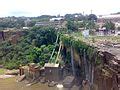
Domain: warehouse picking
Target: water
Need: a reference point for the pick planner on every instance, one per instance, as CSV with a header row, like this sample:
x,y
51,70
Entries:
x,y
11,84
86,66
72,61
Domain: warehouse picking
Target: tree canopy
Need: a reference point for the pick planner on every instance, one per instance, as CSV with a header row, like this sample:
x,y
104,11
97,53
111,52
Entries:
x,y
35,46
92,17
109,25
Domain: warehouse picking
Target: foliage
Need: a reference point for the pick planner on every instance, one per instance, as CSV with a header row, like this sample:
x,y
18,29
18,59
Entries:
x,y
91,25
72,26
79,46
35,46
2,71
11,65
12,22
109,25
92,17
31,23
42,18
98,60
73,16
41,54
86,24
80,17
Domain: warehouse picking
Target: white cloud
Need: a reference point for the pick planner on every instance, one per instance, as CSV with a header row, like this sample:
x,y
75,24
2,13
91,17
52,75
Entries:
x,y
38,7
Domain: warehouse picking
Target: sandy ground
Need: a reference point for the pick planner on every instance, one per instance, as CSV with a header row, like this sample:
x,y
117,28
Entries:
x,y
6,76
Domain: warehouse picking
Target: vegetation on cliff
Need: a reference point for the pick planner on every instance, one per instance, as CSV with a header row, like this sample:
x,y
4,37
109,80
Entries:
x,y
80,46
35,45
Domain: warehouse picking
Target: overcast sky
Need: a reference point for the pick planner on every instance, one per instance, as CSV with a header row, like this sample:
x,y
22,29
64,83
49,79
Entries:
x,y
55,7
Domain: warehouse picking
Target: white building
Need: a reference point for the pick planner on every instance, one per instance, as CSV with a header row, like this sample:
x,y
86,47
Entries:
x,y
57,19
25,28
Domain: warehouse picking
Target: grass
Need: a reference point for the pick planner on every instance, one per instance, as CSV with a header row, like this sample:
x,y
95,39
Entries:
x,y
2,71
98,39
112,39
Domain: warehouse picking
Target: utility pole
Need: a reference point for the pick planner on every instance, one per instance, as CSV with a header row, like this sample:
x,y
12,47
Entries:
x,y
83,13
91,11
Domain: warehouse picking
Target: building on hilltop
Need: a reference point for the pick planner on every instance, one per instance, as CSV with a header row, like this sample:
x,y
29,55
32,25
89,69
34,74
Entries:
x,y
54,22
56,19
115,18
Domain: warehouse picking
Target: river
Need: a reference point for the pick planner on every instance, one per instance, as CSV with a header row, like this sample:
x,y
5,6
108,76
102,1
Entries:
x,y
11,84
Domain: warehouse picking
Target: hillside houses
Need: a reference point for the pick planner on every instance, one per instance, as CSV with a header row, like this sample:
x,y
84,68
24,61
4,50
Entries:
x,y
54,22
115,18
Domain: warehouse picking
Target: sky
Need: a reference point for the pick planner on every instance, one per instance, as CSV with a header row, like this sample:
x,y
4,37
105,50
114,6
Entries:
x,y
55,7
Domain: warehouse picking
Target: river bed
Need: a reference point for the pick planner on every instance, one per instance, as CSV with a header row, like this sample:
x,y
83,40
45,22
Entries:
x,y
11,84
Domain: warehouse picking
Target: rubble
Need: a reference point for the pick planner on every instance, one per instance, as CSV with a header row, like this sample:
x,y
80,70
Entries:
x,y
68,82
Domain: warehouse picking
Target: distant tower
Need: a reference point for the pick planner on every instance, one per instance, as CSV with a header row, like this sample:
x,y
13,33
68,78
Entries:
x,y
58,15
83,13
91,11
25,23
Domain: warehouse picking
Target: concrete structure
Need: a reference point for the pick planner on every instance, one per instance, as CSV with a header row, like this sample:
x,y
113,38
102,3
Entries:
x,y
32,71
23,70
52,72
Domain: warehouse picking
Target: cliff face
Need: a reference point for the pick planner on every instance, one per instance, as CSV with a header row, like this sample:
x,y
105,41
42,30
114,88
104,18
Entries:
x,y
10,35
108,76
1,36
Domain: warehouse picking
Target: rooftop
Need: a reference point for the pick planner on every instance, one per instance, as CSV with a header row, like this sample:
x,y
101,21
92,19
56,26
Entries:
x,y
109,16
51,65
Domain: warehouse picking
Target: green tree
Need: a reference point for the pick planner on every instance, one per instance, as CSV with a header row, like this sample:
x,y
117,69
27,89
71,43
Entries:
x,y
72,26
109,25
91,25
92,17
35,45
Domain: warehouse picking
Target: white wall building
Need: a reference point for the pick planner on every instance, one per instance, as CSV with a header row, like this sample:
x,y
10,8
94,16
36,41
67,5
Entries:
x,y
57,19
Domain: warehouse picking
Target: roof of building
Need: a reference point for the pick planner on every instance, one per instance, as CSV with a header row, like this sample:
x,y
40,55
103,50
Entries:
x,y
51,65
110,16
53,19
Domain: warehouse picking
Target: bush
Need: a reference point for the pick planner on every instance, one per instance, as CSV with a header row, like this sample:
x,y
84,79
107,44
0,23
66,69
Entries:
x,y
11,65
34,46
